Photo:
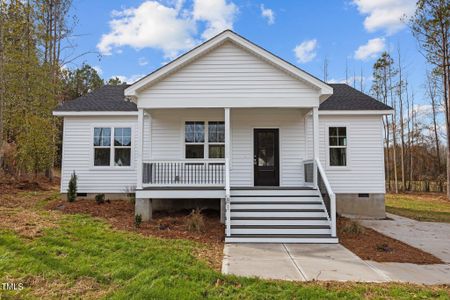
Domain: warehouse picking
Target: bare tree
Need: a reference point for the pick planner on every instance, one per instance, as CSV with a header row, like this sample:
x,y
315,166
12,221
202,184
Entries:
x,y
431,26
402,125
432,93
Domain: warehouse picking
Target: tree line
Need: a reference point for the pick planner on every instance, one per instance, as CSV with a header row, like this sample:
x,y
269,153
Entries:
x,y
34,80
416,151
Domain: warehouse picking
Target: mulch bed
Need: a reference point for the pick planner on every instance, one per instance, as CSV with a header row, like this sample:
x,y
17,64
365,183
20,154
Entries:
x,y
372,245
168,225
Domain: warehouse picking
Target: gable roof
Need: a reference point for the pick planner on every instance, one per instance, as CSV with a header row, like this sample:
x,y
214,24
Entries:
x,y
228,36
347,98
110,98
106,98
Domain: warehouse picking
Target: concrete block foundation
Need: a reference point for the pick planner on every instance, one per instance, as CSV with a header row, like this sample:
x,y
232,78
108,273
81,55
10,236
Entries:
x,y
364,206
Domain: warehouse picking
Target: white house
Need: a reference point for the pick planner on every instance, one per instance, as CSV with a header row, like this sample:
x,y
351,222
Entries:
x,y
231,125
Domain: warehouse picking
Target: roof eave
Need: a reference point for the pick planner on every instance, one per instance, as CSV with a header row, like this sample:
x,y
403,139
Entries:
x,y
93,113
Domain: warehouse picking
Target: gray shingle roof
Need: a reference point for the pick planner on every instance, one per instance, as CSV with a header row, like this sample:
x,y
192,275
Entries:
x,y
111,98
106,98
347,98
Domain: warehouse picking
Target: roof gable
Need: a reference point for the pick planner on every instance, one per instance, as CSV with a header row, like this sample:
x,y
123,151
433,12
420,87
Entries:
x,y
228,36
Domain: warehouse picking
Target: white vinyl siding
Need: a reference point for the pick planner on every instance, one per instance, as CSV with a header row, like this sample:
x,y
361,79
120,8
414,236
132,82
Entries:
x,y
229,76
78,156
364,172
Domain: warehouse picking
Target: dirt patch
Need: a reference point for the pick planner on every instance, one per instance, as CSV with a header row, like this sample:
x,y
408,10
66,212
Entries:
x,y
10,184
168,225
26,223
372,245
84,287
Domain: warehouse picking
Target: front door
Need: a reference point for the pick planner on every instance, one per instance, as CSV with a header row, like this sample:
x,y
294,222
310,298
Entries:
x,y
266,157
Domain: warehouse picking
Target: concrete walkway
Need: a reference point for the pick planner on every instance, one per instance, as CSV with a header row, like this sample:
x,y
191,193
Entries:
x,y
297,262
334,262
430,237
303,262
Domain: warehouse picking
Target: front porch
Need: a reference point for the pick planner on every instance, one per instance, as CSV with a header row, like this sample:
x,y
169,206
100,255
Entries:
x,y
293,197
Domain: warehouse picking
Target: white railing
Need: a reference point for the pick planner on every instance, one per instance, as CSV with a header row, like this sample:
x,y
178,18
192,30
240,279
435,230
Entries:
x,y
227,198
319,177
187,172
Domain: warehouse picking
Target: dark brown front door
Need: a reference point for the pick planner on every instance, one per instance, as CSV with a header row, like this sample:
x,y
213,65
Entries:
x,y
266,157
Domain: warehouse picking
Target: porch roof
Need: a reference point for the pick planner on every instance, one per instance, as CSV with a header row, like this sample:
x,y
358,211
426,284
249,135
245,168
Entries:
x,y
112,99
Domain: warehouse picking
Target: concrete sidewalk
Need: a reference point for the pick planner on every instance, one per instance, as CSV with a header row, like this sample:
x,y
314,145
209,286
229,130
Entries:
x,y
302,262
297,262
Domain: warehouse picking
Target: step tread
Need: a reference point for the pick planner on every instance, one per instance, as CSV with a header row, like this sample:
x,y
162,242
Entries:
x,y
278,210
273,195
280,236
280,218
280,226
276,202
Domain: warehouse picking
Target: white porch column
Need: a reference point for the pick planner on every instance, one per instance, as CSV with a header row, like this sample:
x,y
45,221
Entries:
x,y
227,149
315,120
227,172
140,148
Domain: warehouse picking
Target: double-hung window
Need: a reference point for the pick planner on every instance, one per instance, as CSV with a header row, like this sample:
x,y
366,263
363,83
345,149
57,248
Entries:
x,y
337,141
216,139
204,141
194,135
112,146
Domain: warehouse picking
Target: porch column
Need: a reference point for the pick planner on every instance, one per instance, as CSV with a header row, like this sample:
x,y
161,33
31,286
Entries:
x,y
140,146
315,120
227,149
227,172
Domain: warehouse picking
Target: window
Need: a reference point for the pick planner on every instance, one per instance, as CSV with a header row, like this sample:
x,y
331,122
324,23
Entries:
x,y
102,146
108,151
216,139
194,133
338,146
204,142
122,146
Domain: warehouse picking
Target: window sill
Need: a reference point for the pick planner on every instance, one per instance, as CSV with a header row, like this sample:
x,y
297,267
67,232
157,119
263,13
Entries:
x,y
114,168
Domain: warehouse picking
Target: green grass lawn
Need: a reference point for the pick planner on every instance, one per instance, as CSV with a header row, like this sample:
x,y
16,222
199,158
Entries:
x,y
81,257
421,207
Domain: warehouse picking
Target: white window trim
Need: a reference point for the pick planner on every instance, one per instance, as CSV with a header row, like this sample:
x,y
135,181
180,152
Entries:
x,y
327,146
206,142
112,166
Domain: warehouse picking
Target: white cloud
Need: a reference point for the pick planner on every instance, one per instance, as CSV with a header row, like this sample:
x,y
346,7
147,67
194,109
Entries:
x,y
129,79
142,61
218,15
371,49
171,27
268,14
149,25
305,51
98,69
385,14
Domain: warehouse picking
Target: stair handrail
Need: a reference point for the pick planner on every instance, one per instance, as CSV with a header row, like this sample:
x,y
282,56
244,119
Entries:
x,y
331,194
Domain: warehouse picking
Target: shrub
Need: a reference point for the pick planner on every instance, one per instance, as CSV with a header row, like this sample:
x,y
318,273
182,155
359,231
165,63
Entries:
x,y
72,190
100,198
352,227
195,221
137,220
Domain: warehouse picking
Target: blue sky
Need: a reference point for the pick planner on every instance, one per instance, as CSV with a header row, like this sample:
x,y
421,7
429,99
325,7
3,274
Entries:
x,y
132,38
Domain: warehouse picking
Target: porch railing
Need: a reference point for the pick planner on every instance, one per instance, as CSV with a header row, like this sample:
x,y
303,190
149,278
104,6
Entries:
x,y
324,187
184,172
